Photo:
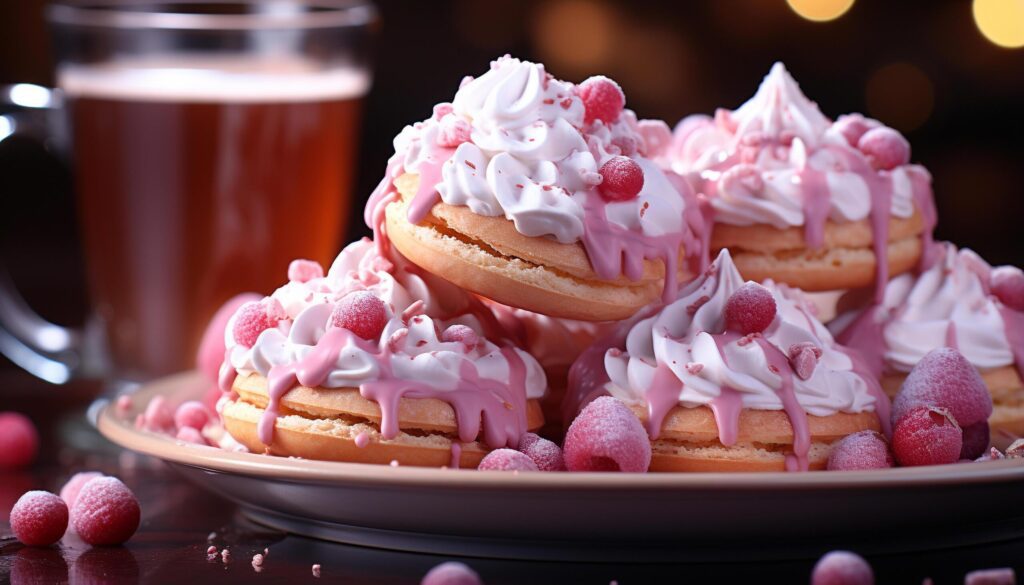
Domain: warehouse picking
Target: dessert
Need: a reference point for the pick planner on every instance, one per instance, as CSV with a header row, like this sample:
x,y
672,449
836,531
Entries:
x,y
798,198
375,362
961,302
539,194
733,377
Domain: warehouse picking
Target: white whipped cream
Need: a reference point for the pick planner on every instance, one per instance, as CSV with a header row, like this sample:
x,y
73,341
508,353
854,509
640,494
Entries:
x,y
679,336
751,160
418,353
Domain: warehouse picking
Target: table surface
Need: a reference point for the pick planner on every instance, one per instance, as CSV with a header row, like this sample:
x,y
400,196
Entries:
x,y
179,519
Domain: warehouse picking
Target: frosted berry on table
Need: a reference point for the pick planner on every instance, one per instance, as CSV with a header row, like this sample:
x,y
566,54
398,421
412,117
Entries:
x,y
506,460
106,512
39,518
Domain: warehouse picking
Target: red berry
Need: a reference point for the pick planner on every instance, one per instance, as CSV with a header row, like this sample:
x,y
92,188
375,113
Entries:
x,y
461,334
602,99
192,414
885,148
621,179
842,567
750,309
451,573
853,126
976,440
927,435
158,416
546,454
106,512
1007,284
946,379
304,270
362,313
69,493
607,436
19,440
39,518
506,460
863,450
251,320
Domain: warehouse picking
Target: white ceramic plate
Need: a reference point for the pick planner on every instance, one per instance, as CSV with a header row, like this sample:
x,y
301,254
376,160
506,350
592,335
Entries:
x,y
593,516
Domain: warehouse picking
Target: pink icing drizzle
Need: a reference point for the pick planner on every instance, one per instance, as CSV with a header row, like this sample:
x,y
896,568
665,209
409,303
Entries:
x,y
1013,324
456,455
951,336
726,408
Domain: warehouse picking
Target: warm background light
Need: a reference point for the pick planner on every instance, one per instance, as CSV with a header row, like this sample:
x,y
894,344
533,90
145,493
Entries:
x,y
820,10
1001,21
574,36
900,95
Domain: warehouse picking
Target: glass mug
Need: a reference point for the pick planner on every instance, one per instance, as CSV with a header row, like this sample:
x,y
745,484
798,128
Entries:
x,y
212,143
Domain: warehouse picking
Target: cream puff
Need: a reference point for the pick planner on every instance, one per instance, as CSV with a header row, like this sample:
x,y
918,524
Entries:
x,y
375,362
539,194
798,198
959,301
733,376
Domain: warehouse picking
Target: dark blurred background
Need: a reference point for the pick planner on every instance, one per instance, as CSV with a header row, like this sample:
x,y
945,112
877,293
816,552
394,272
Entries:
x,y
933,70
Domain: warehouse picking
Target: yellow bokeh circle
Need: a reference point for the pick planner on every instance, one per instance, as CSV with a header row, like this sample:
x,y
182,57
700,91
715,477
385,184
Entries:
x,y
820,10
1001,21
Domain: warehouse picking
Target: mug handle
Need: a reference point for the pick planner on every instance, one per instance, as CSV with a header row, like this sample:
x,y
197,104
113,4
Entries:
x,y
46,350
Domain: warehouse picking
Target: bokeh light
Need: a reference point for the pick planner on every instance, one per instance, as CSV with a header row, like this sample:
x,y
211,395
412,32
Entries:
x,y
574,37
476,22
1001,21
900,95
820,10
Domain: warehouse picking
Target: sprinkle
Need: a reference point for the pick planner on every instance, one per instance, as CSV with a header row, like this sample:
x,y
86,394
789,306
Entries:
x,y
470,165
691,310
412,310
211,550
694,368
549,101
519,185
316,571
566,103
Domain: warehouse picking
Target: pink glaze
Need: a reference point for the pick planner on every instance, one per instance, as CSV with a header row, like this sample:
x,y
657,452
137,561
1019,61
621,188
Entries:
x,y
816,206
662,397
430,175
456,455
726,408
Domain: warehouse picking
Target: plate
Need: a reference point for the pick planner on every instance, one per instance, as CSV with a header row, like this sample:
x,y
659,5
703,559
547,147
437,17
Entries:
x,y
592,516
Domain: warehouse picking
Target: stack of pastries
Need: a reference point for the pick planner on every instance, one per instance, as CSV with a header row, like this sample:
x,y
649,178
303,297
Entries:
x,y
537,246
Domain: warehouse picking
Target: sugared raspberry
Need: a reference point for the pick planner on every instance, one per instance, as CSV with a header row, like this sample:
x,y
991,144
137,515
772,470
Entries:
x,y
602,99
621,179
304,270
69,493
945,378
863,450
39,518
191,435
106,512
546,454
453,131
976,440
750,309
362,313
158,416
607,436
885,148
461,334
803,358
853,126
1004,576
927,435
1007,284
451,573
192,414
506,460
19,440
251,320
211,349
842,567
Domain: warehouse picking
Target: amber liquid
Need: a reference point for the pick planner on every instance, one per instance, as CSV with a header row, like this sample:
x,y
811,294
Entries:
x,y
184,204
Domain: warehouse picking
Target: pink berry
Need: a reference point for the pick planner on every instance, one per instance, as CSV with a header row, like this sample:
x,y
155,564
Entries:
x,y
863,450
546,454
853,126
506,460
106,512
304,270
461,334
158,416
69,493
191,435
750,309
976,440
1004,576
927,435
451,573
39,518
885,148
192,414
621,179
211,349
362,313
842,567
607,436
803,358
453,131
19,440
251,320
602,99
945,378
1007,284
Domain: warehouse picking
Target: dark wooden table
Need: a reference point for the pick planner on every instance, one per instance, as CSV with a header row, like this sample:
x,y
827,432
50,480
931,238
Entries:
x,y
178,519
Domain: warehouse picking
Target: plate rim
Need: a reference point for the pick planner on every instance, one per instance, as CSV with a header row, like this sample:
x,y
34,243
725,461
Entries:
x,y
121,431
